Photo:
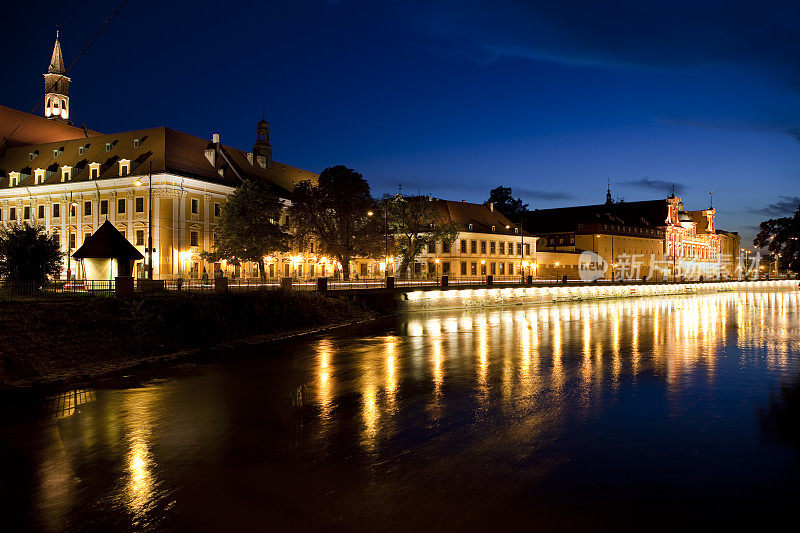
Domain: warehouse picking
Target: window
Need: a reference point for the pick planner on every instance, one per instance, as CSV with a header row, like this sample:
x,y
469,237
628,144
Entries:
x,y
473,268
194,239
432,247
56,210
511,269
363,269
492,247
195,206
40,211
483,247
108,147
56,153
103,207
13,179
38,176
493,228
124,167
121,206
473,247
217,209
71,241
66,173
492,269
87,208
86,236
527,249
445,247
12,213
463,268
483,269
502,269
1,214
139,207
446,268
417,268
26,212
470,226
463,246
139,237
94,171
136,143
81,150
502,248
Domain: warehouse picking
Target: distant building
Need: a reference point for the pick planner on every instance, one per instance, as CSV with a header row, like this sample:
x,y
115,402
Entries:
x,y
655,239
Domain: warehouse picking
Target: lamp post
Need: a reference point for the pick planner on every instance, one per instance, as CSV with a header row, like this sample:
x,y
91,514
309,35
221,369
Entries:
x,y
138,183
69,235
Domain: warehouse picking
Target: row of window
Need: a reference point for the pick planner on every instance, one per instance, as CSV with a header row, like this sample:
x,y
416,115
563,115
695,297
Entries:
x,y
138,238
55,209
471,268
490,247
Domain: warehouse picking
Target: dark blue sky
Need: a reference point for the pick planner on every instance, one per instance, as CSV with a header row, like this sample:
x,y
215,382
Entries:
x,y
454,98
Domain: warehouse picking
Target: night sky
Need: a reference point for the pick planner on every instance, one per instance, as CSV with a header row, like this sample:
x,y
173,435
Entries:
x,y
452,99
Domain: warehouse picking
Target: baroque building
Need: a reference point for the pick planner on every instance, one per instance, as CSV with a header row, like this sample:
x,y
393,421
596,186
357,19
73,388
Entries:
x,y
70,180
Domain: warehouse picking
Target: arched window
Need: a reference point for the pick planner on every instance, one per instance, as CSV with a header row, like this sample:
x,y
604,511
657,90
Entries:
x,y
64,103
48,101
55,103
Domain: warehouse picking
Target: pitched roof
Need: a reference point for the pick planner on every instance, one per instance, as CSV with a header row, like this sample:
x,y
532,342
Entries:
x,y
167,150
30,129
107,243
648,213
480,216
57,60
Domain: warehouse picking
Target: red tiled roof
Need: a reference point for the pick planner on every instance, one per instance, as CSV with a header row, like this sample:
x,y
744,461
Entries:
x,y
33,129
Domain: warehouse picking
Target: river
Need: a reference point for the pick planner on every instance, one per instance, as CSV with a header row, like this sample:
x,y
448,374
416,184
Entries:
x,y
648,413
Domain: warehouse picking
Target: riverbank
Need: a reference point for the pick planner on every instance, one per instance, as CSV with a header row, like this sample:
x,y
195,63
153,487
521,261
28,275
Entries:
x,y
74,339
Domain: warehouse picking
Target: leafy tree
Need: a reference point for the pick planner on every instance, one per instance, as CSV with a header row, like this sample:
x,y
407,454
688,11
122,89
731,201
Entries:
x,y
247,229
416,222
334,212
504,202
782,236
28,254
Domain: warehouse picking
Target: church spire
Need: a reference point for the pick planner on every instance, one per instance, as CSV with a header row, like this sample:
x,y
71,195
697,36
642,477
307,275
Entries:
x,y
57,60
609,200
56,86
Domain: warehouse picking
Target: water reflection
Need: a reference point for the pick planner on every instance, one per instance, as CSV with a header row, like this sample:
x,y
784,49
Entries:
x,y
471,406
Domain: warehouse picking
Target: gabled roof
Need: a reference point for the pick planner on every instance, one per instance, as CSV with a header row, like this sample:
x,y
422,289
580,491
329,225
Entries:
x,y
107,243
32,129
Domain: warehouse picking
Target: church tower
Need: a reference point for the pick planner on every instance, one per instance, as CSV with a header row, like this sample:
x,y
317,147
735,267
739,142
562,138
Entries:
x,y
56,87
262,149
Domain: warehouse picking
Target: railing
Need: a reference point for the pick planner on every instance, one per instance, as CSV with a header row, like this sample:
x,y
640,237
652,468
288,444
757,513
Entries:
x,y
28,290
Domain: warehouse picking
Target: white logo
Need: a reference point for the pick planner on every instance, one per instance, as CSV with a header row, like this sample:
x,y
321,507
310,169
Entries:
x,y
591,266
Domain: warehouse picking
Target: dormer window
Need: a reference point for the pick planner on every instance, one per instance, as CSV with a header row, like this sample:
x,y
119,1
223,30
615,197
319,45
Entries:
x,y
108,147
33,155
13,179
38,176
66,173
57,152
493,228
470,226
516,230
94,171
124,167
81,150
136,143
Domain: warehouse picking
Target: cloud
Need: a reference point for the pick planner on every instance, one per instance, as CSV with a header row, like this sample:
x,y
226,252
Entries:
x,y
655,185
448,189
785,206
758,126
623,34
536,194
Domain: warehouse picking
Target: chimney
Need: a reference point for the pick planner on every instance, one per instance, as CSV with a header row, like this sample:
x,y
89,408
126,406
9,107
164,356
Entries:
x,y
215,138
491,207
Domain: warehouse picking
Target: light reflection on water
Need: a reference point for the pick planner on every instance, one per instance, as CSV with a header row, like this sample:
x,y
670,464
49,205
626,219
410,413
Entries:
x,y
479,406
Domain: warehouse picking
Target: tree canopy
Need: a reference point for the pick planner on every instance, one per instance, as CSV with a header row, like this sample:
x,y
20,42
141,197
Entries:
x,y
504,201
334,212
29,254
781,236
248,226
415,222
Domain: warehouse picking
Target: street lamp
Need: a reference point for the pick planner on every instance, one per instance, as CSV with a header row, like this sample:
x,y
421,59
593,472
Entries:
x,y
138,183
69,235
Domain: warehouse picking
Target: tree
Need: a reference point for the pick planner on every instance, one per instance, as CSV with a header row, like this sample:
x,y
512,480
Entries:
x,y
781,237
504,202
334,212
29,254
247,229
416,222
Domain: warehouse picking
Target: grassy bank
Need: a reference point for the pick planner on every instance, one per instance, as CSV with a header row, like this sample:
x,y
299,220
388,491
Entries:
x,y
89,336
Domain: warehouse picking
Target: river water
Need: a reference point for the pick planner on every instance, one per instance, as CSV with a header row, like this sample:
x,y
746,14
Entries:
x,y
649,413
